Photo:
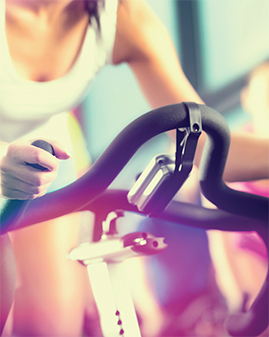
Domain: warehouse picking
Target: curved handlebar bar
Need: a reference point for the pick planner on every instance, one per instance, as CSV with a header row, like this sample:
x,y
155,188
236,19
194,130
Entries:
x,y
82,192
74,196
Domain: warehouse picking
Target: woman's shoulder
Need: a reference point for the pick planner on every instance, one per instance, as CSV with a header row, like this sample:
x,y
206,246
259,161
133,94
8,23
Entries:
x,y
137,31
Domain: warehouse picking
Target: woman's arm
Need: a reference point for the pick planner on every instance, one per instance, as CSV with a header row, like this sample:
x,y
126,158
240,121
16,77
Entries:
x,y
248,158
144,43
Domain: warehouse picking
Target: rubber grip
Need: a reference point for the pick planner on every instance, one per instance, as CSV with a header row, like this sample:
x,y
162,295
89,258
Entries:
x,y
42,144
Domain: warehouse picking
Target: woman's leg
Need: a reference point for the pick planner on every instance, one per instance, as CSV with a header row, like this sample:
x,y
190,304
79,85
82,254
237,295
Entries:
x,y
7,279
52,291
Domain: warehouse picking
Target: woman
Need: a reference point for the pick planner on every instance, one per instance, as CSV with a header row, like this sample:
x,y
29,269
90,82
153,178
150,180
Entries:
x,y
51,52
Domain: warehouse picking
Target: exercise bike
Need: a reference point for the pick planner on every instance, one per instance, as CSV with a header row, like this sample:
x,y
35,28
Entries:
x,y
152,195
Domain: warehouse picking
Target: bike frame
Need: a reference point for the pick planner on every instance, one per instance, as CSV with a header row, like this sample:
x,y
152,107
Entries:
x,y
237,211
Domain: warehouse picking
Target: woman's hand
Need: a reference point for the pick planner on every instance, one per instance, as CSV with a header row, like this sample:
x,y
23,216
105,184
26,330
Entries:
x,y
21,181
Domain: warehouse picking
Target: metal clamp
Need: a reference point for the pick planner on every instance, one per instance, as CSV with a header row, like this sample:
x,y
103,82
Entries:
x,y
165,174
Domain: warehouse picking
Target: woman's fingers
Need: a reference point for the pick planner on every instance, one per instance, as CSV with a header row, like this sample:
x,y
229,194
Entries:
x,y
22,154
27,174
10,182
19,195
59,150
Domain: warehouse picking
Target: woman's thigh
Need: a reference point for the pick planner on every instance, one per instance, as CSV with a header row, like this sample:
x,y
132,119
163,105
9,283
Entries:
x,y
7,278
51,292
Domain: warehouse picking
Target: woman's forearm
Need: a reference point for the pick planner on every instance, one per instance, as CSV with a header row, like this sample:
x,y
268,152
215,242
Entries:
x,y
248,157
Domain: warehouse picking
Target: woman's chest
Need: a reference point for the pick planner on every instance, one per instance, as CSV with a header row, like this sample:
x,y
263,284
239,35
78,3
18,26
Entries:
x,y
41,51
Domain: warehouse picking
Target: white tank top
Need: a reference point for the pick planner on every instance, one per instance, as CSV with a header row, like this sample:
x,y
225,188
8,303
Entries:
x,y
30,109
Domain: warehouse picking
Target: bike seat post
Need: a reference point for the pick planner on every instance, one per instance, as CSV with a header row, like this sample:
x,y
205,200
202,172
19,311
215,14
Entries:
x,y
110,286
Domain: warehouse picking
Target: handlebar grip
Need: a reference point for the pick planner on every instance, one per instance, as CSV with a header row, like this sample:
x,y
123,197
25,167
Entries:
x,y
42,144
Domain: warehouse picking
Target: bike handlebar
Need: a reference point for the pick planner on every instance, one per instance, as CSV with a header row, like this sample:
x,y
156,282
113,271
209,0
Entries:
x,y
82,192
76,195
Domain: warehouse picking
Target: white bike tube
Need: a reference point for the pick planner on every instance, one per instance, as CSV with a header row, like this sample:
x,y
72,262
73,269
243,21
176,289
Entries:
x,y
113,299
